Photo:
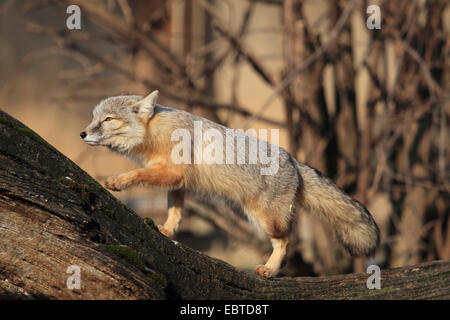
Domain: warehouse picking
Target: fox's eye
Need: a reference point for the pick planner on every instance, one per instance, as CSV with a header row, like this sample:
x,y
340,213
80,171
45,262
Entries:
x,y
108,119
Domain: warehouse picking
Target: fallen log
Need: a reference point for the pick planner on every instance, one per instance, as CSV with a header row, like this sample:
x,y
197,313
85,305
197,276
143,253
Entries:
x,y
55,218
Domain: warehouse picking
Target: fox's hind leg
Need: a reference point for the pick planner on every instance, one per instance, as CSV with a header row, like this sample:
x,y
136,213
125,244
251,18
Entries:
x,y
175,205
276,223
272,265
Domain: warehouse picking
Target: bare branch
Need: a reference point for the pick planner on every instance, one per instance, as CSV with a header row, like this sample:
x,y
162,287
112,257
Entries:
x,y
238,44
306,64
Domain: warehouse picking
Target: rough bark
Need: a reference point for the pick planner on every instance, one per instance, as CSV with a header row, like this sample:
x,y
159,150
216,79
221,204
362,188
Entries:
x,y
54,215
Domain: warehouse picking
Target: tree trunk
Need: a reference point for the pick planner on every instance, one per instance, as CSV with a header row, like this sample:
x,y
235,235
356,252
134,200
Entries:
x,y
53,215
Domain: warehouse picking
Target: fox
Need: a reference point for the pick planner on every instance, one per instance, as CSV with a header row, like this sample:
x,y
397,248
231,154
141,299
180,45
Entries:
x,y
140,129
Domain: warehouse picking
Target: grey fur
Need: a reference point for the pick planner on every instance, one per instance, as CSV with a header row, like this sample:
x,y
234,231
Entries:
x,y
269,199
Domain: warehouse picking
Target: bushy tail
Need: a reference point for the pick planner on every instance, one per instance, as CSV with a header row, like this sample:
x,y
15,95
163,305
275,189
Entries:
x,y
352,222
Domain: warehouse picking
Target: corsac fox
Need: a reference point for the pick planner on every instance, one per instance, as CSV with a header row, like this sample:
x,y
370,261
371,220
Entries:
x,y
150,134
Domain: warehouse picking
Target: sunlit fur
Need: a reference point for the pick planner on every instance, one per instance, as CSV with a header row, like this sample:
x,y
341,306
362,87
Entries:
x,y
145,137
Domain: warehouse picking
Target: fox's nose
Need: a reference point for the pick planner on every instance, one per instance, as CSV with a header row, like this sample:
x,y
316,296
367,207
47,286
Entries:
x,y
83,135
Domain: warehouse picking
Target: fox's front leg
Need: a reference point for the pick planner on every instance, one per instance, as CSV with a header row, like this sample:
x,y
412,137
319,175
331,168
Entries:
x,y
175,206
158,175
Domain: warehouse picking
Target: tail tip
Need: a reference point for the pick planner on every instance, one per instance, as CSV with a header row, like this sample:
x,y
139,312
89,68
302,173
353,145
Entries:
x,y
366,245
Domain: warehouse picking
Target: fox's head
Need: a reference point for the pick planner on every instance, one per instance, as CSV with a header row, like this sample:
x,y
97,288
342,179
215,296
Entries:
x,y
120,123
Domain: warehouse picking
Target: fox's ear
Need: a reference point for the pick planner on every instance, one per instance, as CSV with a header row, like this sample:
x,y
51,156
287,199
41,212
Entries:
x,y
146,106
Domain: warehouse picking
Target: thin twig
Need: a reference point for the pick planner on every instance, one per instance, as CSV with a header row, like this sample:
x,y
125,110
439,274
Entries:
x,y
306,64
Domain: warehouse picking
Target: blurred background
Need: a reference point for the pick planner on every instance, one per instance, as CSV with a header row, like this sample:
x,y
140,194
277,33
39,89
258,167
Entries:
x,y
368,108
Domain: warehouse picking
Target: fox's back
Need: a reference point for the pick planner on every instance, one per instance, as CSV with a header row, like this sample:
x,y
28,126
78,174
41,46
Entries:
x,y
233,178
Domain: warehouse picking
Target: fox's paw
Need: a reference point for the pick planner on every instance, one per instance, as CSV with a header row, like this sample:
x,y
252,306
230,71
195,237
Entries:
x,y
264,271
115,183
164,231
